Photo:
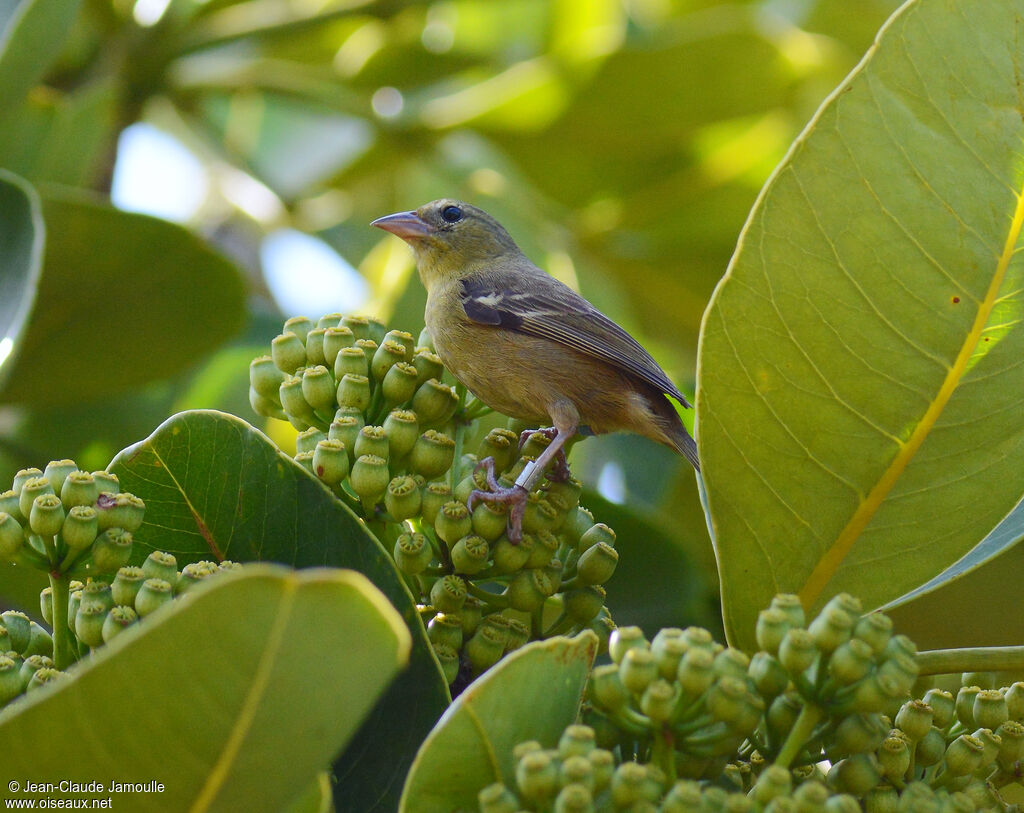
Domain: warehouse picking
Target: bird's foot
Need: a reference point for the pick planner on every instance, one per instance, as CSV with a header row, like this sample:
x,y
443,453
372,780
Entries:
x,y
559,471
514,497
487,465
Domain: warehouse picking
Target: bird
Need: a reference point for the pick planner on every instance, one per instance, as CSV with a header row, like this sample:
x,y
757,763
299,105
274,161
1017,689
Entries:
x,y
528,346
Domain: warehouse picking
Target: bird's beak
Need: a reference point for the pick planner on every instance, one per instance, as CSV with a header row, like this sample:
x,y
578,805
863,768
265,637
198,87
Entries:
x,y
407,225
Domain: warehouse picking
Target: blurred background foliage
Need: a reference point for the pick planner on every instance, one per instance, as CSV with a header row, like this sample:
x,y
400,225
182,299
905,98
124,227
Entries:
x,y
621,142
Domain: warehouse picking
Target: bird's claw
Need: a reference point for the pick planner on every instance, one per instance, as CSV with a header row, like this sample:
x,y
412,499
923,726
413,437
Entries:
x,y
515,497
487,465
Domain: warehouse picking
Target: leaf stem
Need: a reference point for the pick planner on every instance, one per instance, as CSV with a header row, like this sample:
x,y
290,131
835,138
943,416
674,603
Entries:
x,y
971,659
63,656
810,715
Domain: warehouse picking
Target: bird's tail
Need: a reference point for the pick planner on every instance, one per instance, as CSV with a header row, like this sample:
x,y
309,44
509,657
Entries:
x,y
686,446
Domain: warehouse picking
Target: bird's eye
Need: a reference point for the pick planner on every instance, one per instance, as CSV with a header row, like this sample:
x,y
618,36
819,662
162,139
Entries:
x,y
451,214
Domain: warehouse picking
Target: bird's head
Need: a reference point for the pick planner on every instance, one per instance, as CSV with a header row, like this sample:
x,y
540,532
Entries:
x,y
449,238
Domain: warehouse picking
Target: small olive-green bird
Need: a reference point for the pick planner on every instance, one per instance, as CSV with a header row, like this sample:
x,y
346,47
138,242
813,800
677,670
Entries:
x,y
529,346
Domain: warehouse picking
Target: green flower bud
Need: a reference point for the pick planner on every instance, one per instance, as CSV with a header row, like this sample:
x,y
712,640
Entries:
x,y
810,797
637,669
603,763
696,671
428,365
577,741
345,430
435,495
576,770
372,440
991,742
267,407
658,700
30,665
943,706
630,785
990,709
330,461
126,585
508,557
490,521
79,488
89,622
518,635
539,515
448,594
445,628
299,412
930,749
542,553
1015,701
23,476
772,625
594,535
501,446
41,677
574,797
789,603
336,339
351,361
768,675
193,573
831,628
39,641
453,522
315,347
98,592
10,679
119,618
370,477
964,755
354,391
902,669
288,352
401,429
914,719
412,553
300,326
683,797
12,536
726,698
318,388
19,628
106,481
485,648
584,603
797,650
359,326
554,570
329,320
858,733
528,589
981,796
56,472
855,775
45,606
851,661
448,658
900,645
368,346
160,565
153,594
959,802
387,356
432,455
733,662
537,777
402,498
497,798
399,383
122,510
882,799
471,615
472,481
875,630
74,601
1011,750
782,714
668,648
470,553
623,639
9,505
434,402
111,550
773,781
965,706
264,377
36,487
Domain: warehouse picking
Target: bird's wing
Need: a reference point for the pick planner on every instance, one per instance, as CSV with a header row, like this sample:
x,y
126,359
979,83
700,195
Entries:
x,y
551,310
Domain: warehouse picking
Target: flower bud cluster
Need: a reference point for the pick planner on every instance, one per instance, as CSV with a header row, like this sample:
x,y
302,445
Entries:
x,y
378,425
67,521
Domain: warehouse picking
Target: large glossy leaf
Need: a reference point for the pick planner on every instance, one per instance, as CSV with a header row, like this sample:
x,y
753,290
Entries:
x,y
232,699
22,235
124,299
533,694
860,403
215,487
30,40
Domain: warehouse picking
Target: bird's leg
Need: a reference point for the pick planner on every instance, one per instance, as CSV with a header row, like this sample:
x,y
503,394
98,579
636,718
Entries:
x,y
566,419
560,471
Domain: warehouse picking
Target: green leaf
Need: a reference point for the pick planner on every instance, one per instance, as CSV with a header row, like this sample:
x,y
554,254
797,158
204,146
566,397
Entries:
x,y
22,235
533,694
215,487
233,698
29,42
860,379
124,299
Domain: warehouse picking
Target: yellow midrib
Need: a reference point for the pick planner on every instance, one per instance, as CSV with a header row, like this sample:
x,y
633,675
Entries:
x,y
866,509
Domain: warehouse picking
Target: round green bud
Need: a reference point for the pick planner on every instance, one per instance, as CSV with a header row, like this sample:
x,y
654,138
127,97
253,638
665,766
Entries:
x,y
914,719
683,797
318,388
900,645
10,679
991,743
434,402
300,326
401,428
32,664
537,776
193,573
782,714
542,546
329,320
790,604
448,594
19,628
471,614
267,407
445,628
12,536
472,481
990,709
902,669
536,442
637,669
773,781
981,796
56,472
288,352
726,698
576,778
428,365
584,603
45,606
153,594
882,799
413,553
89,622
797,650
469,554
160,565
1015,701
299,412
403,498
370,477
965,706
330,461
859,733
74,600
121,510
79,488
668,648
265,378
453,522
399,383
658,700
387,356
448,658
518,635
106,481
372,440
577,741
603,763
851,661
23,476
111,550
630,785
832,627
98,592
485,647
36,487
315,347
875,630
943,706
624,639
351,361
930,748
354,391
432,454
501,446
39,643
732,662
336,338
1011,750
490,521
594,535
855,775
368,346
41,677
496,798
117,619
435,495
540,515
359,325
772,625
696,671
964,755
509,557
528,589
345,430
810,796
769,676
9,505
